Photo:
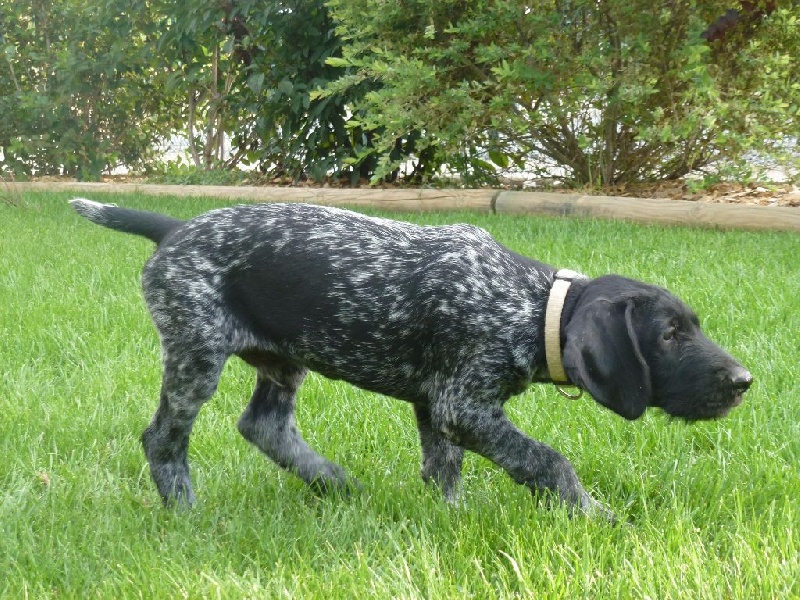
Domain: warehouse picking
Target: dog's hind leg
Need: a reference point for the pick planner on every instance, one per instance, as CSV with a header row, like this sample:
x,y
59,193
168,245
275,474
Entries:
x,y
190,378
441,459
268,422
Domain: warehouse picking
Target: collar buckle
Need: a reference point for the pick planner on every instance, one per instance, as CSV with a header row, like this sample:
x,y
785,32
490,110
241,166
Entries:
x,y
560,389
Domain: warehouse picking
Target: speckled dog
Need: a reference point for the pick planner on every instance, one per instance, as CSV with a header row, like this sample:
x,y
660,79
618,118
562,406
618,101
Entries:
x,y
443,317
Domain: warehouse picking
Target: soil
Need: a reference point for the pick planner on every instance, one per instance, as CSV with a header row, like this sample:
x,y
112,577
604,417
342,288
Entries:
x,y
753,193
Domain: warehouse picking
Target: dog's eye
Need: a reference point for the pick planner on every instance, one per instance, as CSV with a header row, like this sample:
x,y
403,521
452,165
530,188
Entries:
x,y
670,332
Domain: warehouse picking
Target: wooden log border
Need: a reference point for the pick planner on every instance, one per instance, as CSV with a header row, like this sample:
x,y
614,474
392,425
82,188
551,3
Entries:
x,y
653,210
640,210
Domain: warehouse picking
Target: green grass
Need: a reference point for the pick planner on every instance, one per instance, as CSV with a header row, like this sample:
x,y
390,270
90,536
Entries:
x,y
713,507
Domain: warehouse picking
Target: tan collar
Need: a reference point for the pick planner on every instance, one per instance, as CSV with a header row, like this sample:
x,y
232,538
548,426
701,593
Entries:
x,y
552,325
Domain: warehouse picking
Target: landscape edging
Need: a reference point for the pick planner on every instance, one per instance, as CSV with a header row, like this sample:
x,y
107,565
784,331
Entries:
x,y
640,210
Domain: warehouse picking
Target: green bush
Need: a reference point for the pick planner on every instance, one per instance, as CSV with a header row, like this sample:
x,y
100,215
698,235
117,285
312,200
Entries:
x,y
604,92
78,92
598,92
246,70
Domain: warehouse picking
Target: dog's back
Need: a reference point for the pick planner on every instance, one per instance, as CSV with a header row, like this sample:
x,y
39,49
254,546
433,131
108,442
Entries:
x,y
339,291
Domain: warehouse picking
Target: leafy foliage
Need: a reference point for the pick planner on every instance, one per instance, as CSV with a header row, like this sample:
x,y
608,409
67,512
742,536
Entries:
x,y
596,91
296,133
248,69
78,93
604,91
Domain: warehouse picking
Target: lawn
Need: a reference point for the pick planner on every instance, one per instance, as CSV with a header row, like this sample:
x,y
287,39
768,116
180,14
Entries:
x,y
711,508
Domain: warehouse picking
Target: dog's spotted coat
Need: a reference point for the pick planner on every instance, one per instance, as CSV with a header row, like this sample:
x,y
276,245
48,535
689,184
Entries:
x,y
443,317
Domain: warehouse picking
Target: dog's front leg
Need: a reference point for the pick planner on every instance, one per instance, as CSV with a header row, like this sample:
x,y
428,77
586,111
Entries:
x,y
483,428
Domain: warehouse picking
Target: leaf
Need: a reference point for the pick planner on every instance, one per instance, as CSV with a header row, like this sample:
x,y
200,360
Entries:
x,y
482,164
256,82
285,87
337,61
499,158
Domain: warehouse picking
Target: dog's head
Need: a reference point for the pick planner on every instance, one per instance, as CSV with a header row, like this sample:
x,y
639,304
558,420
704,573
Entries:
x,y
632,345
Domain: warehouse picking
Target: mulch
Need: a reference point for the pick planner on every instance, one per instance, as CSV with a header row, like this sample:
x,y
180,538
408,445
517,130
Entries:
x,y
784,194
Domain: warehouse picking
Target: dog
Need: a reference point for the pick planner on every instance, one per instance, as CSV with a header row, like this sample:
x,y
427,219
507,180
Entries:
x,y
443,317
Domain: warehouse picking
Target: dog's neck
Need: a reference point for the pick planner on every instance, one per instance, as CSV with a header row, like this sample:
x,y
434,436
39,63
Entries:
x,y
558,311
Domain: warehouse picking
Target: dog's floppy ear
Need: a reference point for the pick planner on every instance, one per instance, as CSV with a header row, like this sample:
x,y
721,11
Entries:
x,y
602,356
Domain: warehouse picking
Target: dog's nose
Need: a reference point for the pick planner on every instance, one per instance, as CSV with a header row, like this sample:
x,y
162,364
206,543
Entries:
x,y
742,379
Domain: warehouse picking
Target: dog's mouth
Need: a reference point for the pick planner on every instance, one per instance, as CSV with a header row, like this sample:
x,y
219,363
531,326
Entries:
x,y
715,408
724,392
737,395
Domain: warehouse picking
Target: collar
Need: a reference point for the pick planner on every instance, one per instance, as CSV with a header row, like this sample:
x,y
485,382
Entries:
x,y
552,324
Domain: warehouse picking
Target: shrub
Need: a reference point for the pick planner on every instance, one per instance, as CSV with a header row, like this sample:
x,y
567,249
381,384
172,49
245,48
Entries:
x,y
78,93
600,92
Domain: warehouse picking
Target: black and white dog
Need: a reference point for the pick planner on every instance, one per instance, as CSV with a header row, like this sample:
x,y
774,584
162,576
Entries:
x,y
443,317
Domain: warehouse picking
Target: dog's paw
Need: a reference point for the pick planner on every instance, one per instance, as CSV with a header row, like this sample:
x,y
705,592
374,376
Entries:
x,y
174,484
333,479
597,510
179,495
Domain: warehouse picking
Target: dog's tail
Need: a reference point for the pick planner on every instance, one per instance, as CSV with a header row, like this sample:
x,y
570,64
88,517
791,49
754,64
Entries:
x,y
150,225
